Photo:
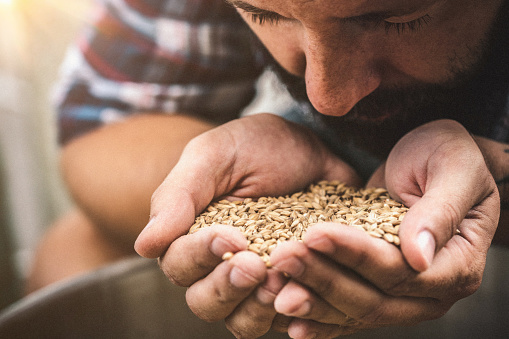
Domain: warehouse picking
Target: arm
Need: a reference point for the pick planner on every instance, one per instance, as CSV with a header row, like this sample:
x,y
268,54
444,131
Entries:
x,y
112,172
120,70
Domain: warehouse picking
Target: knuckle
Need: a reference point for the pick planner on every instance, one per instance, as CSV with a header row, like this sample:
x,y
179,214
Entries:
x,y
172,275
325,288
452,216
179,281
222,296
467,283
202,264
205,309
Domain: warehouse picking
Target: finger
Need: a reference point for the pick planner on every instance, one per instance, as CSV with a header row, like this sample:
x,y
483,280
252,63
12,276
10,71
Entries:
x,y
281,323
377,179
197,178
377,261
193,256
255,315
434,219
294,300
457,268
440,188
336,169
346,291
303,329
219,293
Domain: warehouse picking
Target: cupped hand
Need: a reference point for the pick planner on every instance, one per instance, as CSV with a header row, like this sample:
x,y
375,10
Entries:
x,y
440,173
260,155
344,280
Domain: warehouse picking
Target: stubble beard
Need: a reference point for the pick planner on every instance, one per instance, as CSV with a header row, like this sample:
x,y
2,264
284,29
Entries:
x,y
388,113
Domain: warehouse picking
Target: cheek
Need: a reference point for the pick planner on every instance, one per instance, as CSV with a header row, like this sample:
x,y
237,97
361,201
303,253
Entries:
x,y
436,60
402,64
451,44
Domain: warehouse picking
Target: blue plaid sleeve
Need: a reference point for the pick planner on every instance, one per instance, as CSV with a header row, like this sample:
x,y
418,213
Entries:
x,y
193,57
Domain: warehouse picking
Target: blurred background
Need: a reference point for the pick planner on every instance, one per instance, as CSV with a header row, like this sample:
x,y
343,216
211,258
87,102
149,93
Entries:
x,y
34,35
33,38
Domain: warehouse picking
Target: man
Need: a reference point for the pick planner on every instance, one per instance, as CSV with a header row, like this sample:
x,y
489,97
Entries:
x,y
389,74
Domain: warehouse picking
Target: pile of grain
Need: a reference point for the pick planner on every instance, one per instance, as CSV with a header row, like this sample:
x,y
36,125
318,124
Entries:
x,y
268,221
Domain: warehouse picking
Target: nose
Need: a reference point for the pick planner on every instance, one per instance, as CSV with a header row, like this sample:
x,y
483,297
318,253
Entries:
x,y
339,72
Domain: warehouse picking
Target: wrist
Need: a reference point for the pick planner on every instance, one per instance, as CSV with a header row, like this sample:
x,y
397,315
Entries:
x,y
494,153
496,156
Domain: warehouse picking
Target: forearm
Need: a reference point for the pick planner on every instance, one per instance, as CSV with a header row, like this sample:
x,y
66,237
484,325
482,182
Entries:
x,y
497,159
111,173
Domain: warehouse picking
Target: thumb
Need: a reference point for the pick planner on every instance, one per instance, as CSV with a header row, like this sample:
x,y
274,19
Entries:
x,y
440,173
172,212
429,224
192,184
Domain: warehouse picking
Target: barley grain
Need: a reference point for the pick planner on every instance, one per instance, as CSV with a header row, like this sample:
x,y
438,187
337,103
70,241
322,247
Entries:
x,y
269,221
227,256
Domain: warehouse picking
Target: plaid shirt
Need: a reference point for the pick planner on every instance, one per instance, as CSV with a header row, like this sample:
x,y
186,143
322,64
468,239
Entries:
x,y
192,56
185,56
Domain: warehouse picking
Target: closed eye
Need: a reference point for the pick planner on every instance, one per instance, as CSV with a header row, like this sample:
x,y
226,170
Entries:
x,y
377,20
411,26
261,18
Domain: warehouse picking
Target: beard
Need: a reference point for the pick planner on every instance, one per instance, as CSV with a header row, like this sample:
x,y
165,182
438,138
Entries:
x,y
475,97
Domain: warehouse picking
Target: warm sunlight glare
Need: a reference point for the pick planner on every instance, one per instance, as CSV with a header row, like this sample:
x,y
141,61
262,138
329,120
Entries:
x,y
35,25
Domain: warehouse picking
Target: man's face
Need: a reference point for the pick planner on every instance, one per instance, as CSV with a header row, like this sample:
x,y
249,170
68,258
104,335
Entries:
x,y
347,50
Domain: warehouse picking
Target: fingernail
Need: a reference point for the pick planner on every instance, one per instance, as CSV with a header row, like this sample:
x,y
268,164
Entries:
x,y
241,279
322,244
264,296
220,246
426,243
303,309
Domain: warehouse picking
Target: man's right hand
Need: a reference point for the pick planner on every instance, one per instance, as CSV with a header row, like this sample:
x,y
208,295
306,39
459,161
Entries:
x,y
260,155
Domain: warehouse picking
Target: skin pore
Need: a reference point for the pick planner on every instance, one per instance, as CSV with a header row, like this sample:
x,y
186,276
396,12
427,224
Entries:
x,y
391,65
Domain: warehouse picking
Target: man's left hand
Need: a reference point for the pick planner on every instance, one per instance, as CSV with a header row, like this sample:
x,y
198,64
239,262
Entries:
x,y
343,280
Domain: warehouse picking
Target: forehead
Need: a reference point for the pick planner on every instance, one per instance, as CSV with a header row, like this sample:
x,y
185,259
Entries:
x,y
340,8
